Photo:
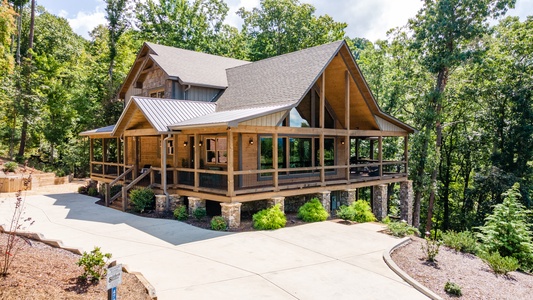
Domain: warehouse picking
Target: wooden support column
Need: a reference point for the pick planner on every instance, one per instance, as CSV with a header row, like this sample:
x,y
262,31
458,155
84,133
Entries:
x,y
119,157
275,160
91,154
104,155
175,160
347,144
322,117
406,152
196,162
380,155
231,177
135,157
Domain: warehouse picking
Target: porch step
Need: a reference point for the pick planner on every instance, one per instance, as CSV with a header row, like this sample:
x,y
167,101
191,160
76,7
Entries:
x,y
117,204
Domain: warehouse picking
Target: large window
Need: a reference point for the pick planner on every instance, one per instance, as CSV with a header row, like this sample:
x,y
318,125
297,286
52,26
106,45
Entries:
x,y
296,152
216,150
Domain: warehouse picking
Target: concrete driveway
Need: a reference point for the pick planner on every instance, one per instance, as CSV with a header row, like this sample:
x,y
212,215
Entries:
x,y
315,261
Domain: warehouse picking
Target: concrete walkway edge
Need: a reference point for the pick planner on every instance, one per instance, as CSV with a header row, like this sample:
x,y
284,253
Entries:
x,y
394,267
59,244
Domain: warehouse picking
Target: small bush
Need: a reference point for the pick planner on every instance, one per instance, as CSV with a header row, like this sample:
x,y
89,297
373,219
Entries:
x,y
359,211
499,264
402,229
218,223
10,166
270,218
180,213
464,241
115,189
453,289
82,190
93,264
312,211
92,191
431,249
199,213
142,199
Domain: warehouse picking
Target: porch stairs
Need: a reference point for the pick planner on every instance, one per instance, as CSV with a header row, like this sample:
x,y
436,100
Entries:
x,y
120,200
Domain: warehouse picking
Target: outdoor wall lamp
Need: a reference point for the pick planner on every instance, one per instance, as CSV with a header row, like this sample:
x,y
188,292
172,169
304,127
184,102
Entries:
x,y
185,144
251,141
200,144
342,142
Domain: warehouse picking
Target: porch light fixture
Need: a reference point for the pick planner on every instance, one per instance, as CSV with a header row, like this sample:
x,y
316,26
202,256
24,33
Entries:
x,y
251,141
200,144
185,144
342,142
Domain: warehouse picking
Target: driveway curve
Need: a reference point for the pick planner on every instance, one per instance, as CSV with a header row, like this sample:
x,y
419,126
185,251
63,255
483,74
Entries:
x,y
323,260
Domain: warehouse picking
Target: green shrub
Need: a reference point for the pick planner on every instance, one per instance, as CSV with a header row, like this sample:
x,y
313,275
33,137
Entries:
x,y
431,249
499,264
402,229
312,211
142,199
453,289
10,166
199,213
92,191
218,223
270,218
359,211
115,189
93,264
82,190
181,213
464,241
506,230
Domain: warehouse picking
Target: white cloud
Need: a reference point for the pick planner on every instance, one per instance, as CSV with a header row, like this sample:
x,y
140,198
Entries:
x,y
84,22
63,13
233,19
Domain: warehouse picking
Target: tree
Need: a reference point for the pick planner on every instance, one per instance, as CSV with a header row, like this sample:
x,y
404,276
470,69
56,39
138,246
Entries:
x,y
278,27
7,30
116,13
446,32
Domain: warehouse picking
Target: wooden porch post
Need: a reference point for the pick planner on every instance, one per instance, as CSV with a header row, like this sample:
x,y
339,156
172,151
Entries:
x,y
175,160
135,157
275,160
406,152
125,160
380,155
91,154
231,179
322,113
347,143
119,158
104,155
196,162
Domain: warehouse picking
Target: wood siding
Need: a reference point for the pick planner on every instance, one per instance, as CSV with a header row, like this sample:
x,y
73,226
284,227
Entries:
x,y
270,120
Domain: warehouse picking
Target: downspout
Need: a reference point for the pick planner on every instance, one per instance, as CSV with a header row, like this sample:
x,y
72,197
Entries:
x,y
164,168
185,91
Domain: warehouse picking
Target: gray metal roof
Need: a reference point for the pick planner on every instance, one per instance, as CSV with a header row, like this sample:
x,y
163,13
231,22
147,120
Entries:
x,y
163,112
193,67
279,80
102,130
230,118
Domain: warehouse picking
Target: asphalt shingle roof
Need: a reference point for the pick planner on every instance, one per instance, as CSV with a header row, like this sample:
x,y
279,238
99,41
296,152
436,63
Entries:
x,y
279,80
193,67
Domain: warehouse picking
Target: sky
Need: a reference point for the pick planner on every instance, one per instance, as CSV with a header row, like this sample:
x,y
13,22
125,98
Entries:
x,y
370,19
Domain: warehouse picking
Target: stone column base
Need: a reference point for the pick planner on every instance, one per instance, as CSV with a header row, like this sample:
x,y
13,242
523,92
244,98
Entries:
x,y
379,203
406,201
231,212
348,196
160,203
195,203
174,201
277,200
325,198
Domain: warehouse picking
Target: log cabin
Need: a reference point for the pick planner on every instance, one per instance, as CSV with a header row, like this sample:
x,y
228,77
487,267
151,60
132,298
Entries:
x,y
234,135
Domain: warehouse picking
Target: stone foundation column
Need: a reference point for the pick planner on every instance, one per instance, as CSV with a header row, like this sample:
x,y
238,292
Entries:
x,y
325,199
379,203
194,203
160,203
231,212
406,201
348,196
277,200
174,201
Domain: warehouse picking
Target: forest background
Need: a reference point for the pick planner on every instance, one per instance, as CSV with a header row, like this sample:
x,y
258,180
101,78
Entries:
x,y
459,71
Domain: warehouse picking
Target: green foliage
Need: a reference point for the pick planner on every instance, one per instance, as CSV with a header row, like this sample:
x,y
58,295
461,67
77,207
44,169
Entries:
x,y
358,211
499,264
180,213
402,229
218,223
312,211
464,241
506,230
199,213
93,264
92,191
453,289
10,166
82,190
431,249
115,189
142,199
269,218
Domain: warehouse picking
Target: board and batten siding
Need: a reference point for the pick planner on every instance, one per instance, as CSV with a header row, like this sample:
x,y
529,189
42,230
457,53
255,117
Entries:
x,y
269,120
132,91
385,125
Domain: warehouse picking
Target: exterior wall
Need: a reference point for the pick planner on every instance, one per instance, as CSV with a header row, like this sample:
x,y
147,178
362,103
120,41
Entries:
x,y
149,154
132,91
154,80
196,93
270,120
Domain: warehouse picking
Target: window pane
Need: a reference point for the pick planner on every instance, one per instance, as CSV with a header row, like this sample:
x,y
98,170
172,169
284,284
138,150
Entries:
x,y
222,157
222,144
300,152
282,151
266,153
329,151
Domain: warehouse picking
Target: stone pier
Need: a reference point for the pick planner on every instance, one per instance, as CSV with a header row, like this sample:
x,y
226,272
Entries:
x,y
160,203
406,201
277,200
348,196
379,203
231,212
325,198
195,203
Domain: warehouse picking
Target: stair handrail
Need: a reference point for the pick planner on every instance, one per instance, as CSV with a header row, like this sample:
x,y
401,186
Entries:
x,y
108,200
129,186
